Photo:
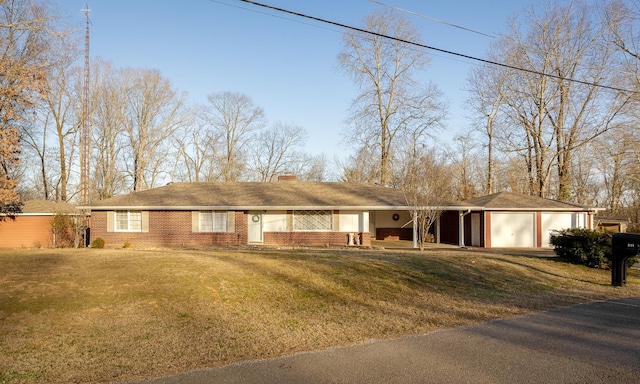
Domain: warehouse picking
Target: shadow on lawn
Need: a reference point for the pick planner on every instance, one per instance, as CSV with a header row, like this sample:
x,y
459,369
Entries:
x,y
371,278
30,281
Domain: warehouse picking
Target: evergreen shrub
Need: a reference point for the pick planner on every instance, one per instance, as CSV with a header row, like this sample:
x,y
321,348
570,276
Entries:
x,y
97,243
585,247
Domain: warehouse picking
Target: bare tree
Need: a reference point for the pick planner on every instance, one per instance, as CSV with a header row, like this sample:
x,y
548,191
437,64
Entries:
x,y
59,104
587,186
487,86
555,115
462,160
611,161
108,115
276,150
23,27
623,20
427,188
361,167
233,118
391,101
198,151
313,168
154,112
34,134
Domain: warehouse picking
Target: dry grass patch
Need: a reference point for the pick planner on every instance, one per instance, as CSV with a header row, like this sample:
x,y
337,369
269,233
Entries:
x,y
112,315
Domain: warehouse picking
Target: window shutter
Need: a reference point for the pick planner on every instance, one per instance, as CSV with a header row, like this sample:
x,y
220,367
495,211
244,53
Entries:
x,y
195,221
231,221
110,219
145,221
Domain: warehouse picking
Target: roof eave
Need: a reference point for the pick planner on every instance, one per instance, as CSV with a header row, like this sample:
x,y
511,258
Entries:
x,y
269,208
237,208
542,209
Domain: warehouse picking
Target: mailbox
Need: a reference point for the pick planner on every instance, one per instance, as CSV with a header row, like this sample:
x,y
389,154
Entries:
x,y
623,246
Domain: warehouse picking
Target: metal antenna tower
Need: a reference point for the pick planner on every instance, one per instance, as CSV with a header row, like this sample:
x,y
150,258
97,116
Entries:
x,y
85,134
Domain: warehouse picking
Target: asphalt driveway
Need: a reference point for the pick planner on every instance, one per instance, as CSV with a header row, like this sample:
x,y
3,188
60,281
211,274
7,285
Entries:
x,y
596,342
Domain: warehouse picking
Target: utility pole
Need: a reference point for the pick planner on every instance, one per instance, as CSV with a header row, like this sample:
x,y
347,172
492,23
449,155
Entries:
x,y
85,134
85,142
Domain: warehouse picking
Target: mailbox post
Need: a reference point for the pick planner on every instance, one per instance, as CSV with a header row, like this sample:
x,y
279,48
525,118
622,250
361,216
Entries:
x,y
623,246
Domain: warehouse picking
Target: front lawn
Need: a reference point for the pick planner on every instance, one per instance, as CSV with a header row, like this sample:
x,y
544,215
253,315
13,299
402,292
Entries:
x,y
95,315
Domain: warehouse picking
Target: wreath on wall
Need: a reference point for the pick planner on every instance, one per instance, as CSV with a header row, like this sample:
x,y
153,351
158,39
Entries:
x,y
395,217
255,218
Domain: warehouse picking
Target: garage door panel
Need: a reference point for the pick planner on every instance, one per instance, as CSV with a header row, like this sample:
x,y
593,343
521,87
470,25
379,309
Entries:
x,y
512,229
556,221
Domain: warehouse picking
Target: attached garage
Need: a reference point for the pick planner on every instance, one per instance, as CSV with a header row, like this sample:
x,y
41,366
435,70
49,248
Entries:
x,y
512,220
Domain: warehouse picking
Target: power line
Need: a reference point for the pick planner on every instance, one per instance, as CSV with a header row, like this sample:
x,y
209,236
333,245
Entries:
x,y
434,48
273,15
431,18
315,25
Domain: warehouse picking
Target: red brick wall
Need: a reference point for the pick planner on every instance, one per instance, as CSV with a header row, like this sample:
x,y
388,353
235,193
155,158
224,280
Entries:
x,y
313,238
167,228
26,232
487,229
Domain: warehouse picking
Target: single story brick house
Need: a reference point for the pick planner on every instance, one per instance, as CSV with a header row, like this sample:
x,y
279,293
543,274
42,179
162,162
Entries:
x,y
32,228
287,212
336,213
507,219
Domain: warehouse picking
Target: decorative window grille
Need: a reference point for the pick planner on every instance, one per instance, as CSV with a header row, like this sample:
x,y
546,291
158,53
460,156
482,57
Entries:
x,y
129,221
312,220
213,221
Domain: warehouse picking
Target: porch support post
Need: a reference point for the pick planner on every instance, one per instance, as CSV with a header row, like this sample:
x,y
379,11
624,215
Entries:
x,y
461,228
438,229
415,229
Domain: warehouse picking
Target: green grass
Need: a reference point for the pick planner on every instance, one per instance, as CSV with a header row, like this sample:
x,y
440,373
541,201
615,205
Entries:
x,y
19,376
98,315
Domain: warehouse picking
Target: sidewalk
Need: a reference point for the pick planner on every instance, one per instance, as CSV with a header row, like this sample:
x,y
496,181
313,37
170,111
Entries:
x,y
588,343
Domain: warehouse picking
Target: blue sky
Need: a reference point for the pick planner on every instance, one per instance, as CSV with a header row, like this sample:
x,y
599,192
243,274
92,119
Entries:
x,y
287,65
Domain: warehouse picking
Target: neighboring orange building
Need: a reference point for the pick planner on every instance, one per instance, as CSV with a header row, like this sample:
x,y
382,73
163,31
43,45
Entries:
x,y
32,228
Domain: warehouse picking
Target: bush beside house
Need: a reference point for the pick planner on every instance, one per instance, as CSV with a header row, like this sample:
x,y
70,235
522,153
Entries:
x,y
585,247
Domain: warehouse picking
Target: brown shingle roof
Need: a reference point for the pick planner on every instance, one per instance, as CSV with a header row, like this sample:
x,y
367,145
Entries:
x,y
47,207
510,200
253,195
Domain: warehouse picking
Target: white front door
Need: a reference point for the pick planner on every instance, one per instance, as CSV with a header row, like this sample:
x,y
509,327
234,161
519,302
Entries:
x,y
255,227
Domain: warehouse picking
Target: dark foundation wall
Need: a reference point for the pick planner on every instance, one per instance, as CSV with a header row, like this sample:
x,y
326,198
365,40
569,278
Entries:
x,y
394,234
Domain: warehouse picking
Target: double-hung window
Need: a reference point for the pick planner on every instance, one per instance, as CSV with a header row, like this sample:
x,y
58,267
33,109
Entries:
x,y
312,221
128,221
213,221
